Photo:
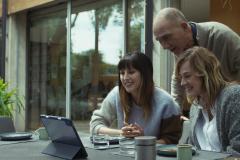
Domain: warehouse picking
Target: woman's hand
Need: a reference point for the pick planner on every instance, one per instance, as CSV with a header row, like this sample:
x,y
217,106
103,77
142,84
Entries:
x,y
132,130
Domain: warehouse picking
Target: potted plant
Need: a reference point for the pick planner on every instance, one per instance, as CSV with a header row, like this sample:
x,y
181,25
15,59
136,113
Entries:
x,y
9,100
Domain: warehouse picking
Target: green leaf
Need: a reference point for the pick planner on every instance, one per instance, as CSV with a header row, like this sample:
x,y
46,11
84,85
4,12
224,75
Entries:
x,y
10,101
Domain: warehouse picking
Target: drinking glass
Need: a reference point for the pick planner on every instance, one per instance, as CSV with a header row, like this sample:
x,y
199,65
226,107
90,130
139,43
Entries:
x,y
184,152
127,145
100,141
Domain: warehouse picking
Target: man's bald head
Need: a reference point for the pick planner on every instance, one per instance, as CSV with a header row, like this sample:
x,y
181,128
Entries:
x,y
171,29
170,14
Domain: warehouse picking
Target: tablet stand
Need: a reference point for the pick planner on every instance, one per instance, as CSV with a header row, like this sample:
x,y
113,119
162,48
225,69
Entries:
x,y
65,151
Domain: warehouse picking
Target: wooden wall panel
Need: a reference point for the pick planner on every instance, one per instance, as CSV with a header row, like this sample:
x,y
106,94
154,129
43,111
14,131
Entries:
x,y
20,5
227,12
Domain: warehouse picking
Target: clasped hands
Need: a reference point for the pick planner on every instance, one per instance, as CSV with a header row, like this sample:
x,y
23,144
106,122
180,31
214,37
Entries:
x,y
132,130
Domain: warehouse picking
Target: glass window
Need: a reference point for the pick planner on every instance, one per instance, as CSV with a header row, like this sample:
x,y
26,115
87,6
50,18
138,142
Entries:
x,y
135,25
47,66
96,46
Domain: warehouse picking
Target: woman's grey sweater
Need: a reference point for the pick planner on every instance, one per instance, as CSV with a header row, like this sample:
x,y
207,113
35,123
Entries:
x,y
228,119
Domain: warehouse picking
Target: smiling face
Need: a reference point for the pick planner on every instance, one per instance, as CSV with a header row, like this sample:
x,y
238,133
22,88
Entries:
x,y
131,80
191,81
173,36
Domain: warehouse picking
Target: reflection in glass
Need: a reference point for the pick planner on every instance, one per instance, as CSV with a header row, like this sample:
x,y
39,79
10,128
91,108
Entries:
x,y
96,48
47,67
135,25
96,45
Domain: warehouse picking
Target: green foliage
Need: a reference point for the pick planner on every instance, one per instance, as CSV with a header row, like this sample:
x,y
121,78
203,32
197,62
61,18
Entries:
x,y
8,100
101,16
135,37
81,61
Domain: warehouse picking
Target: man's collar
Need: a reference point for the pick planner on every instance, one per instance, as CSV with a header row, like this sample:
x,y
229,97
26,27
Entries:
x,y
194,32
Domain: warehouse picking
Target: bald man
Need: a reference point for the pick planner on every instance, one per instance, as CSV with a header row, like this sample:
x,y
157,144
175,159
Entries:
x,y
175,33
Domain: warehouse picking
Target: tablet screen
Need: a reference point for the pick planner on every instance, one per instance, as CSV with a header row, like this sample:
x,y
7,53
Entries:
x,y
61,129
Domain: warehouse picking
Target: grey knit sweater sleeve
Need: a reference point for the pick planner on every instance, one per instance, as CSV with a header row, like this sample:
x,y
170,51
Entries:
x,y
228,119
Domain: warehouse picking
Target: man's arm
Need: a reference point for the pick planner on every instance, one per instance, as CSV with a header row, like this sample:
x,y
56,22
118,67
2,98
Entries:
x,y
179,95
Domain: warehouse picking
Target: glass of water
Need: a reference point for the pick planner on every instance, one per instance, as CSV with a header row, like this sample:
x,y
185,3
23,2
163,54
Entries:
x,y
127,145
100,141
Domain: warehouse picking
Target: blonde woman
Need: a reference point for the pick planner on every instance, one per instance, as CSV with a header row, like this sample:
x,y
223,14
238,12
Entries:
x,y
215,109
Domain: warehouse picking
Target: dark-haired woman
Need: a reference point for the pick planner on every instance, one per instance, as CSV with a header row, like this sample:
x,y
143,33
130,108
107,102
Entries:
x,y
137,106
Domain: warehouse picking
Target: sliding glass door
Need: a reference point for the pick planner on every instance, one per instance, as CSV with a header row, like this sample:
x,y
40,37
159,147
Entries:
x,y
96,44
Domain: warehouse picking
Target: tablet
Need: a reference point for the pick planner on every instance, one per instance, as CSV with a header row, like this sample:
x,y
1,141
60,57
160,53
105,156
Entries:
x,y
66,142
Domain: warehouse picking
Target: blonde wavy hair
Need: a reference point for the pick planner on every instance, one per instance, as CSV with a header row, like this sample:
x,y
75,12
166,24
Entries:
x,y
208,67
